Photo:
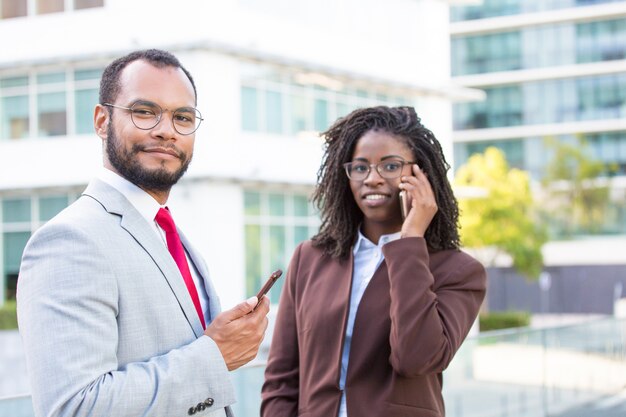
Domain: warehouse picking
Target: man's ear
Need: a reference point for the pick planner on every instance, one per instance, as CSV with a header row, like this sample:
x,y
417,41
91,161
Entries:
x,y
101,121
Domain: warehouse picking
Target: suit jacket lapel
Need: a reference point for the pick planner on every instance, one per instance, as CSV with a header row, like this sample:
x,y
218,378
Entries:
x,y
131,221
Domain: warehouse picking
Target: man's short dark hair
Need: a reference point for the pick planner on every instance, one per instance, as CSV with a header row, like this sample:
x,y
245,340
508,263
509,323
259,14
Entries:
x,y
110,83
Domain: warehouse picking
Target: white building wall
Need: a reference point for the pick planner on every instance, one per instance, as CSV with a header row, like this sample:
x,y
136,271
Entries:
x,y
397,45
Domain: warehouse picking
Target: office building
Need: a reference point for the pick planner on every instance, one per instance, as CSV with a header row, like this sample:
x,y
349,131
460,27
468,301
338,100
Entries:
x,y
270,75
551,70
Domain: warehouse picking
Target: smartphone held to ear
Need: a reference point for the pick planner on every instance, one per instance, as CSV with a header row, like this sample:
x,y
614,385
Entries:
x,y
405,204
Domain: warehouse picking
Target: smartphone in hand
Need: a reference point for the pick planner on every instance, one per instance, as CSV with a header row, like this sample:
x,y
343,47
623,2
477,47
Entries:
x,y
405,204
268,284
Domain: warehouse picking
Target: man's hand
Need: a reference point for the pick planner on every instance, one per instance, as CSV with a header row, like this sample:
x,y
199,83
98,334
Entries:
x,y
238,332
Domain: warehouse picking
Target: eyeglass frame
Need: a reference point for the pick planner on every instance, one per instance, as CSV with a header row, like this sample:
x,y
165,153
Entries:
x,y
347,165
130,109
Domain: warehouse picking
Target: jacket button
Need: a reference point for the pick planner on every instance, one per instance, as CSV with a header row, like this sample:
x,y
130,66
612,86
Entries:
x,y
200,407
191,411
209,402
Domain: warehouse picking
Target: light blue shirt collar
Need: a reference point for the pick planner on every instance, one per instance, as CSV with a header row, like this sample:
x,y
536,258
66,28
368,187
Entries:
x,y
363,243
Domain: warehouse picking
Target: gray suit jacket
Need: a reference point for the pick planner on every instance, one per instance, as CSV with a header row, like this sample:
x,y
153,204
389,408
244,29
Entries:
x,y
108,326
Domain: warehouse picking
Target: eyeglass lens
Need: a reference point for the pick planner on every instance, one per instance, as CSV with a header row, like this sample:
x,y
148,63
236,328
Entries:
x,y
387,169
147,115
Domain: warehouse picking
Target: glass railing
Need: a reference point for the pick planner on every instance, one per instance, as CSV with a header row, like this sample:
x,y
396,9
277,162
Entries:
x,y
517,373
540,372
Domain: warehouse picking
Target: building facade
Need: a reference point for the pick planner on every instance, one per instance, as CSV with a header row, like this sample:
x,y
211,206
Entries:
x,y
552,70
270,76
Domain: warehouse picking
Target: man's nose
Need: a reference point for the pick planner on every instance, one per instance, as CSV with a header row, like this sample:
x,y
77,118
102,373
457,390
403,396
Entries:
x,y
164,129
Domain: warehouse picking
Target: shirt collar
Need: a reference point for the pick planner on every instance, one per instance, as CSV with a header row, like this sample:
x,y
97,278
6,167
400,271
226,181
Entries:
x,y
363,243
145,204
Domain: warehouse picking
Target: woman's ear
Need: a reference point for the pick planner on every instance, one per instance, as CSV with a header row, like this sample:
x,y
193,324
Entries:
x,y
101,119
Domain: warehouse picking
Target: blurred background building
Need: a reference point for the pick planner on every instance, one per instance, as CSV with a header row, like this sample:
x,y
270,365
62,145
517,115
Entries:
x,y
271,75
554,71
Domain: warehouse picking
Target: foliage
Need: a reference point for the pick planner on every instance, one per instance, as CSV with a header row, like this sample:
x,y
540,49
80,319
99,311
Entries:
x,y
574,196
505,218
8,316
503,320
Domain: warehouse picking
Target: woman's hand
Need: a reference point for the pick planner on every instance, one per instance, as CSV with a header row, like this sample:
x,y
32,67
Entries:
x,y
423,203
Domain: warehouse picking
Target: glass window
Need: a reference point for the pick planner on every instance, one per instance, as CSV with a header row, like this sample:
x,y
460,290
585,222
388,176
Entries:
x,y
14,117
321,115
362,93
51,92
51,206
51,78
51,106
601,41
16,210
342,109
16,227
13,8
513,150
52,114
539,46
301,233
599,97
300,205
249,109
14,244
273,112
278,258
299,113
610,148
85,101
88,74
254,260
50,6
13,82
486,53
277,204
494,8
252,203
87,4
275,223
284,103
14,107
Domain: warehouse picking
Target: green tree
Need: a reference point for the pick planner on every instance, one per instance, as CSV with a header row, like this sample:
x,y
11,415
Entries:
x,y
504,219
576,195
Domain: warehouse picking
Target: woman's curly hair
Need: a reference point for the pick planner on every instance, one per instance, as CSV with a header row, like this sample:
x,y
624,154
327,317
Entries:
x,y
340,214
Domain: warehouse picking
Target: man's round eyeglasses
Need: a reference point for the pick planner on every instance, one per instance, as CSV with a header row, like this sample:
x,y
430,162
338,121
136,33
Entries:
x,y
388,169
146,115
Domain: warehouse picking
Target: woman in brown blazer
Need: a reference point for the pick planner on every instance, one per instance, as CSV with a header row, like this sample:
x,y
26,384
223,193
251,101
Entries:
x,y
375,306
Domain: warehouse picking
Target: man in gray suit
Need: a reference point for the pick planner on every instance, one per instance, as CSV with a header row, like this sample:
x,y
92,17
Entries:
x,y
116,309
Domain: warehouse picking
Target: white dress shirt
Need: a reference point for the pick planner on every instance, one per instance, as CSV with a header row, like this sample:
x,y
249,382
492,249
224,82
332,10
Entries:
x,y
367,259
148,207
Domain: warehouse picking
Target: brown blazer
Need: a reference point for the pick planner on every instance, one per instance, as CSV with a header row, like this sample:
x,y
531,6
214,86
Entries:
x,y
413,316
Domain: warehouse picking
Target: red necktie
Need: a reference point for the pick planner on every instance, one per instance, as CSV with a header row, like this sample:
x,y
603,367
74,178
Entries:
x,y
175,246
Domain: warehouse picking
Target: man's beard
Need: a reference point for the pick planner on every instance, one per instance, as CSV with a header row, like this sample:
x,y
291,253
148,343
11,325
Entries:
x,y
128,166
